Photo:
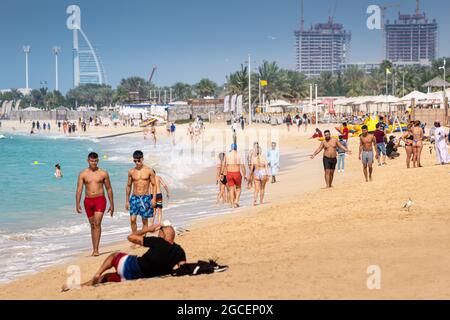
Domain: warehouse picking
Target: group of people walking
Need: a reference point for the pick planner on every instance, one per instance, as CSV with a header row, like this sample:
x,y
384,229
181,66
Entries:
x,y
375,145
232,168
143,195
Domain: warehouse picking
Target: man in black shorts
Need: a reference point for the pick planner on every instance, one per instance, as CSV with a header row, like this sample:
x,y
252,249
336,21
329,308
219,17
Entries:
x,y
329,146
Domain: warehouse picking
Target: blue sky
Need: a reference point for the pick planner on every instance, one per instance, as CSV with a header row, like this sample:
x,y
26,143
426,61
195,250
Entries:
x,y
186,40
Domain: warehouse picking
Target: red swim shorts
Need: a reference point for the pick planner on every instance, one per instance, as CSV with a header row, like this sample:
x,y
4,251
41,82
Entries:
x,y
234,178
97,204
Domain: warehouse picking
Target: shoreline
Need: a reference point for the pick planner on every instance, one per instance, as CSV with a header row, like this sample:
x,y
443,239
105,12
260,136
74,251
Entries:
x,y
304,242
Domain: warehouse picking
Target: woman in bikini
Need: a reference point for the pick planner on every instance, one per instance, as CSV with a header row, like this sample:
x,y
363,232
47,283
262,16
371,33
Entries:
x,y
408,138
249,163
260,169
221,180
417,132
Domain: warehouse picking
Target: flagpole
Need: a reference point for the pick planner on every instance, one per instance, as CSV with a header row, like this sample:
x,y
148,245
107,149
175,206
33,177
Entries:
x,y
259,91
387,83
249,92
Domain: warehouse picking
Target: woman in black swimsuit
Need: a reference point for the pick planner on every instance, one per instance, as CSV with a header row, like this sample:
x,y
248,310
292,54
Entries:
x,y
408,137
221,180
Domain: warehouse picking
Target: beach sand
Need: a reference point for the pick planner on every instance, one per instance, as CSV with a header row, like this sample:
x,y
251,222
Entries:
x,y
305,242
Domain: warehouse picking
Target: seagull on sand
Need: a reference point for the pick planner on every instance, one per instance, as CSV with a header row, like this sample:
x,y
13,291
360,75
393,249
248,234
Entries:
x,y
408,204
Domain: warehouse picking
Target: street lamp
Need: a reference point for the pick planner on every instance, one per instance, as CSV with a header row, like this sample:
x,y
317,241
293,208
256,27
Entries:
x,y
403,83
26,50
56,50
317,108
443,68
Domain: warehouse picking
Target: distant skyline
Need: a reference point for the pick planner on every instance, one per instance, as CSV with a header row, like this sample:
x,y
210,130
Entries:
x,y
185,40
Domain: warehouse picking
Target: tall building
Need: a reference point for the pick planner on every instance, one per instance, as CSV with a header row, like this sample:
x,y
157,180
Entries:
x,y
412,39
325,47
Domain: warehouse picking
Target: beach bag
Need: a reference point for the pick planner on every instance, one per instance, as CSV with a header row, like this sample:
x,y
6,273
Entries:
x,y
200,267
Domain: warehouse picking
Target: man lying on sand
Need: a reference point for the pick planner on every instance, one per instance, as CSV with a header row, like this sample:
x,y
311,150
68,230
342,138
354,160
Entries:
x,y
161,258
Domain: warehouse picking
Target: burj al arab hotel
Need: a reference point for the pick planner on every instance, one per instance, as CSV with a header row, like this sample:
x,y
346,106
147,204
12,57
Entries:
x,y
87,66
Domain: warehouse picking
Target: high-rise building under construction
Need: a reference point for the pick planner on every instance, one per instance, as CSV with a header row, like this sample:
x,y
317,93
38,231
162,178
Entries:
x,y
412,39
324,47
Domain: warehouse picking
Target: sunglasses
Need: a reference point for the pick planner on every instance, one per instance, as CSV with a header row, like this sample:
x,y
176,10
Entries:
x,y
137,160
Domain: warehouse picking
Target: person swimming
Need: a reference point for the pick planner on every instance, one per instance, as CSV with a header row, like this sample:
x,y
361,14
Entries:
x,y
58,173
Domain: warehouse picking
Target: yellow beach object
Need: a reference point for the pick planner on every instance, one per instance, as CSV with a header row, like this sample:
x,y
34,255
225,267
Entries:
x,y
105,157
371,123
322,139
148,122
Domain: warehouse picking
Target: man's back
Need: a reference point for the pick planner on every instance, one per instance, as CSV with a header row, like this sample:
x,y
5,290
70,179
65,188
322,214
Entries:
x,y
379,136
233,161
161,257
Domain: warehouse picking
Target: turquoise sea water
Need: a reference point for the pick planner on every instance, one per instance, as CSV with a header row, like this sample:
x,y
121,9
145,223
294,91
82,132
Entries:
x,y
38,223
31,197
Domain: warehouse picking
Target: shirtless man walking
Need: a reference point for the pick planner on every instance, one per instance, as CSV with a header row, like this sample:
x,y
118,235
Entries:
x,y
329,146
142,180
367,144
234,177
94,179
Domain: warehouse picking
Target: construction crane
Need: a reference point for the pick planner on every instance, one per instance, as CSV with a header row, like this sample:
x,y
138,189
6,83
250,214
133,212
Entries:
x,y
151,75
332,13
383,9
302,21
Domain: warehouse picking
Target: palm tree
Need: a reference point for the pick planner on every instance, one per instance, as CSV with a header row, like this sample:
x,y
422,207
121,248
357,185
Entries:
x,y
205,87
375,83
326,84
277,82
182,91
133,84
353,79
297,85
237,82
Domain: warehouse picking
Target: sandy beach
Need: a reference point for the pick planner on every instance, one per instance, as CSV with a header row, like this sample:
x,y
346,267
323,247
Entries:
x,y
305,242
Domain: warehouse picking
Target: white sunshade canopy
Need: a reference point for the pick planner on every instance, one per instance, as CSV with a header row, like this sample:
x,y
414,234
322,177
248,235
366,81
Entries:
x,y
178,103
127,111
279,103
415,95
32,109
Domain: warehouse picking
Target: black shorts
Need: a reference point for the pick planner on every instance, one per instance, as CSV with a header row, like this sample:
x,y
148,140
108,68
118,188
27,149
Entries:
x,y
329,163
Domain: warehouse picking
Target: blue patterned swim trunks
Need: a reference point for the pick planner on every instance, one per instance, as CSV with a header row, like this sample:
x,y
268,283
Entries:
x,y
141,205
